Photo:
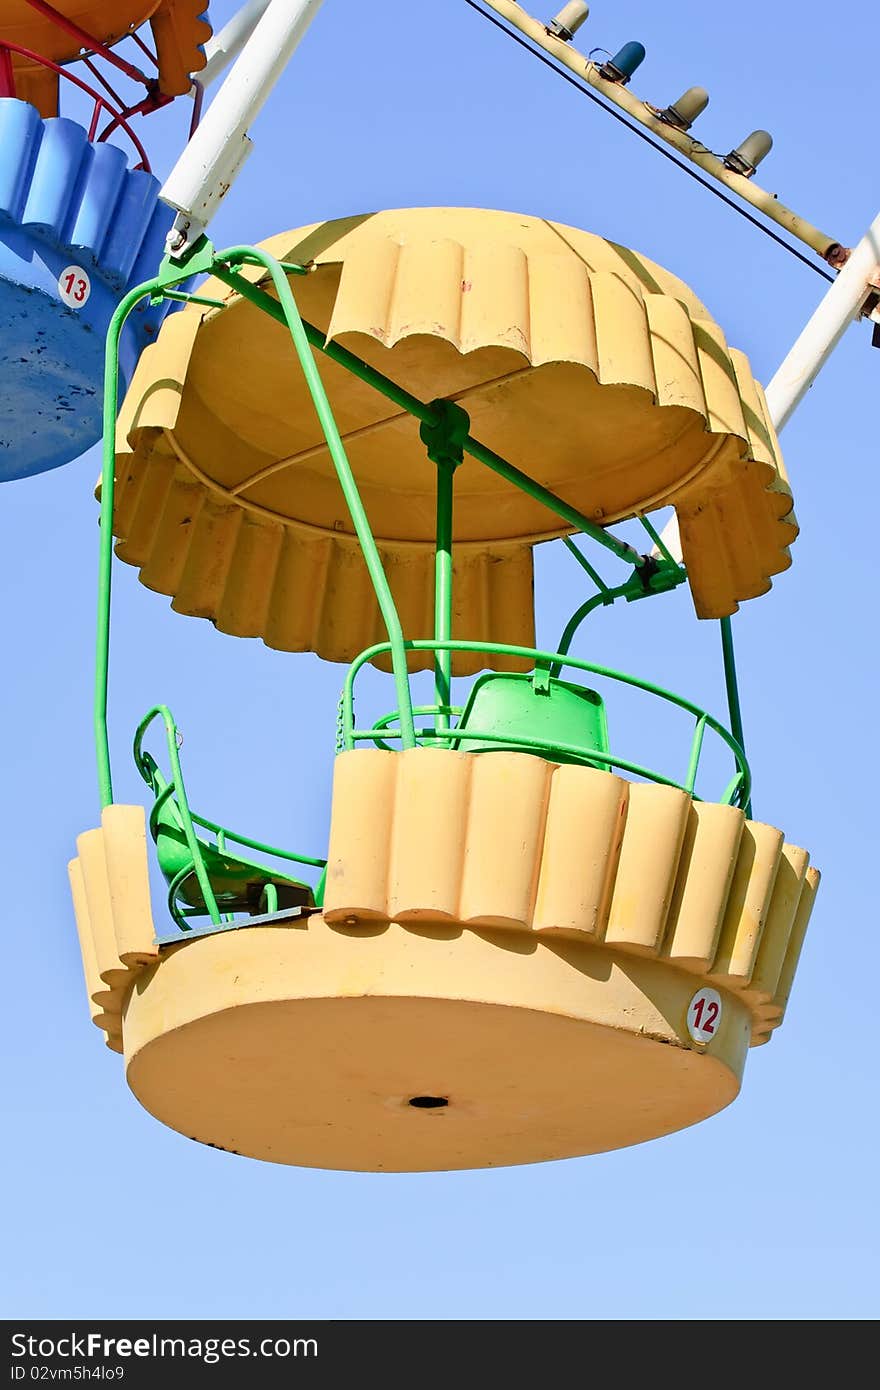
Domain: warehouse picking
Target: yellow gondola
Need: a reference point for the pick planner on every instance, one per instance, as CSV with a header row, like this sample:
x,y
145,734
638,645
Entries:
x,y
525,944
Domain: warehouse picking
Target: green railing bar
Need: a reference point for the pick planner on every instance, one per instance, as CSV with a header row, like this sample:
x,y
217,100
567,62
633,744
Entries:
x,y
287,307
657,539
541,658
443,590
223,834
585,564
413,406
194,299
586,755
192,843
696,749
733,705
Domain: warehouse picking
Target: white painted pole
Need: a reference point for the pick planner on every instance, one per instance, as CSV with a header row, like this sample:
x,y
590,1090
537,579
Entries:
x,y
842,305
223,47
209,165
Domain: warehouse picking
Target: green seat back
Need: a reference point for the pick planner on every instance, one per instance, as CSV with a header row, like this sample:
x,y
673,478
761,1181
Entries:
x,y
510,705
237,883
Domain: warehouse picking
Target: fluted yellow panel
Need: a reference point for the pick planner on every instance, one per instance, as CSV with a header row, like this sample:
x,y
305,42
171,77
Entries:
x,y
426,850
787,890
363,819
90,852
760,852
591,369
94,984
656,820
708,859
586,814
775,1010
124,830
109,882
505,828
511,841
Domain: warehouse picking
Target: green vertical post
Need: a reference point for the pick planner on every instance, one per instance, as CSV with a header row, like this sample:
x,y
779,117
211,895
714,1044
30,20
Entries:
x,y
443,590
736,724
169,275
105,563
444,439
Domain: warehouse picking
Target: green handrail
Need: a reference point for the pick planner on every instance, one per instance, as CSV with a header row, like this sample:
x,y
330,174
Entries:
x,y
176,788
739,787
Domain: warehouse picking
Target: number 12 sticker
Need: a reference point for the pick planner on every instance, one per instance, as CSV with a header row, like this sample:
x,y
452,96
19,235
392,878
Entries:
x,y
74,286
704,1015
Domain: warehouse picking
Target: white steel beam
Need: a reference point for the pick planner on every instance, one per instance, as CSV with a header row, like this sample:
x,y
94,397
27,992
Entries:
x,y
209,165
844,303
223,47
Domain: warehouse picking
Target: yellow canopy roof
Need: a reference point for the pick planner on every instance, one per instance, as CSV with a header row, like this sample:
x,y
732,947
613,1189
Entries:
x,y
587,366
177,29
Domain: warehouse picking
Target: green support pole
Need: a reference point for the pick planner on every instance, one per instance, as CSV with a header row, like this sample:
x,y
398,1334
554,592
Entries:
x,y
105,564
443,591
444,441
736,724
291,316
169,275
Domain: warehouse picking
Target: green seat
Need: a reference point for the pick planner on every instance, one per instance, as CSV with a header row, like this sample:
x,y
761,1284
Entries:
x,y
238,884
562,716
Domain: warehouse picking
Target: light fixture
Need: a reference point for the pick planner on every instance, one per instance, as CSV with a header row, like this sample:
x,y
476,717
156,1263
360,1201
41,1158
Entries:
x,y
566,23
747,156
621,67
684,112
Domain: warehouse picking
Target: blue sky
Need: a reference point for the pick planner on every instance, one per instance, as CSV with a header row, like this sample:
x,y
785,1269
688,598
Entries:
x,y
766,1211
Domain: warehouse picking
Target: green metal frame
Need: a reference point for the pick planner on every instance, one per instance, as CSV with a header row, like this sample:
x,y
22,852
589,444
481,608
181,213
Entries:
x,y
736,792
175,789
445,431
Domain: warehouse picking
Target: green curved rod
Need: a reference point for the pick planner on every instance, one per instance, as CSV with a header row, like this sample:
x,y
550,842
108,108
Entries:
x,y
238,255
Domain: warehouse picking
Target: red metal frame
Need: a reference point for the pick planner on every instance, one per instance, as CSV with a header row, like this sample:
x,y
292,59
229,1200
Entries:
x,y
7,76
122,111
118,118
88,41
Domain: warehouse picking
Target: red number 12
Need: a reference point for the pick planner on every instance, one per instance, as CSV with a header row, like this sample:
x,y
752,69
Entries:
x,y
711,1015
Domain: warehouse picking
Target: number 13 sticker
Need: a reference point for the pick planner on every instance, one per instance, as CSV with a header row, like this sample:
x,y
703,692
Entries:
x,y
74,286
704,1015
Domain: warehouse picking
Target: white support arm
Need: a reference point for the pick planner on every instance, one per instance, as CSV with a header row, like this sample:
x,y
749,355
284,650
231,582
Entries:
x,y
209,165
841,306
223,47
844,303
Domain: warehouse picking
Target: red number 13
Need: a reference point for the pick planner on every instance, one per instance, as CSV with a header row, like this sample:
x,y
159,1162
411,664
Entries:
x,y
79,293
